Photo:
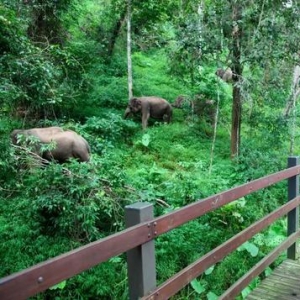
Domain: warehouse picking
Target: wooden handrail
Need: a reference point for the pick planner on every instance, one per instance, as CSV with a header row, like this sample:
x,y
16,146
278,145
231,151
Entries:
x,y
38,278
182,278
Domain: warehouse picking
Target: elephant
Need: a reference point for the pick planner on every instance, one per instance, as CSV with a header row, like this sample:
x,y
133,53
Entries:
x,y
154,107
226,74
178,101
39,133
68,144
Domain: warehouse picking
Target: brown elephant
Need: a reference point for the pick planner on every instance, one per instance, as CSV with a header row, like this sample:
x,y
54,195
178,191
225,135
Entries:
x,y
226,74
68,144
154,107
178,101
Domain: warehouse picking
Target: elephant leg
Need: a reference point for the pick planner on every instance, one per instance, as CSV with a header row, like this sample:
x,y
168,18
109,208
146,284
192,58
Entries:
x,y
145,118
127,112
167,118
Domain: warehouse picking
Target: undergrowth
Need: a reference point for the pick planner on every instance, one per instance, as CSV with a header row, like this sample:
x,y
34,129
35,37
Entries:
x,y
46,211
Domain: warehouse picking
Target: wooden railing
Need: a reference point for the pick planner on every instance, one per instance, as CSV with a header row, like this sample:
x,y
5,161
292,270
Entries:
x,y
138,241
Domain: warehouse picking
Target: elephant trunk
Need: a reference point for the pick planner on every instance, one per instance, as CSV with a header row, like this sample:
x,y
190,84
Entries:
x,y
127,112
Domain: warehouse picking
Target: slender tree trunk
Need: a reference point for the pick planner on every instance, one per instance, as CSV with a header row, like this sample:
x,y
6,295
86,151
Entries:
x,y
291,107
216,116
236,122
116,32
237,71
129,62
295,92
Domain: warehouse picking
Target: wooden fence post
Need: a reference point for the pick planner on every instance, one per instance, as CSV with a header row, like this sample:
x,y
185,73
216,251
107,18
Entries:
x,y
141,260
293,215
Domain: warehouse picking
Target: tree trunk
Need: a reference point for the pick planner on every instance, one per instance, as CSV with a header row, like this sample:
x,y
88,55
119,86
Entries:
x,y
236,121
237,75
295,92
291,107
45,26
129,62
116,32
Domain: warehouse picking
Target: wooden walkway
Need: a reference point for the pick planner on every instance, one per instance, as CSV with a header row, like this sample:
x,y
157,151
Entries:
x,y
282,284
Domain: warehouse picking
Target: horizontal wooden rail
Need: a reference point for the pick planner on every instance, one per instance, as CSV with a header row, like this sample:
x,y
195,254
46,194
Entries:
x,y
244,281
185,276
46,274
194,210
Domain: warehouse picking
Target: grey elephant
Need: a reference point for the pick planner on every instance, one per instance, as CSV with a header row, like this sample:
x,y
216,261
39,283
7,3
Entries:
x,y
226,74
67,144
154,107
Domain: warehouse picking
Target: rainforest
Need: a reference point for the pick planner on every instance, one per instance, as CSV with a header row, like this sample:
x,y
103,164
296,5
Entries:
x,y
229,72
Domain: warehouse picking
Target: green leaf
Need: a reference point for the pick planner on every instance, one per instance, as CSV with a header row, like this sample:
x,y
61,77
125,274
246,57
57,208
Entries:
x,y
259,239
116,259
197,286
251,248
268,271
59,286
146,140
237,203
246,291
209,270
212,296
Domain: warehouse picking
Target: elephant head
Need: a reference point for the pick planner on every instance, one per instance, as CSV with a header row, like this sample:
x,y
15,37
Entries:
x,y
134,106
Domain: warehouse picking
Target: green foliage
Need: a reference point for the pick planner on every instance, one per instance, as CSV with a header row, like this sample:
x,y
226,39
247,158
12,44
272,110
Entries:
x,y
7,171
152,68
81,81
45,25
197,286
109,130
35,82
60,286
251,248
146,140
71,201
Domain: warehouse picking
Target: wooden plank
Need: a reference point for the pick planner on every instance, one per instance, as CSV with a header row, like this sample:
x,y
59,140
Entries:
x,y
286,282
245,280
283,283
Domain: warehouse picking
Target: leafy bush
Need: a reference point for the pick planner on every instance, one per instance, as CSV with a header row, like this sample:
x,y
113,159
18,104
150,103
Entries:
x,y
35,82
111,127
46,211
73,199
8,171
152,69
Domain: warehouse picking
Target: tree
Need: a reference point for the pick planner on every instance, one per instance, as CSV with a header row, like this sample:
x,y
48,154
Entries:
x,y
129,49
237,68
291,105
243,33
45,26
37,79
262,35
295,92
